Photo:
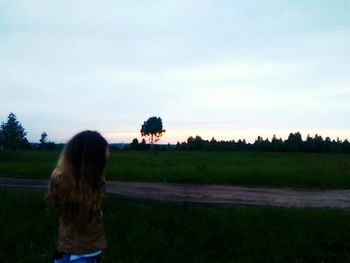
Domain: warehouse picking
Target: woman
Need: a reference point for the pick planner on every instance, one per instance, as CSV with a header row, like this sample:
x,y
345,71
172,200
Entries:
x,y
76,189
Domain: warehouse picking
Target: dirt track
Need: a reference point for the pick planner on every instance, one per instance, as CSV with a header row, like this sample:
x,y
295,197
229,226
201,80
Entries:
x,y
209,194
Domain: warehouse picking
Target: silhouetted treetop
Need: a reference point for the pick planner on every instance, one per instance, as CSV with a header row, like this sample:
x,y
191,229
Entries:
x,y
12,134
152,129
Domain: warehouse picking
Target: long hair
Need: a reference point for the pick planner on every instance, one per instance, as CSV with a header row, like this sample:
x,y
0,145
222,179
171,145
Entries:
x,y
77,184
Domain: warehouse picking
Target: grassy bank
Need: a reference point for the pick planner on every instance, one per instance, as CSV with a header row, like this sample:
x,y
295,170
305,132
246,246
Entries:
x,y
241,168
146,232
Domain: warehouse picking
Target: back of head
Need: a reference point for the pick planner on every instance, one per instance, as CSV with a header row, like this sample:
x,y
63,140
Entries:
x,y
85,155
77,184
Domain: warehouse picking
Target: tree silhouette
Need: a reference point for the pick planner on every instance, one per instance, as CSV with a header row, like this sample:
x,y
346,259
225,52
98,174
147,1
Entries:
x,y
294,141
12,134
152,129
134,145
43,139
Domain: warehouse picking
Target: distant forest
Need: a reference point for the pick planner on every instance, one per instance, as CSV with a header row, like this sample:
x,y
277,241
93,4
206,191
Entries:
x,y
13,137
293,143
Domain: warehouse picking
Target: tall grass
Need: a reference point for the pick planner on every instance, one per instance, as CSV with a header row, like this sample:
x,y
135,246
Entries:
x,y
241,168
150,232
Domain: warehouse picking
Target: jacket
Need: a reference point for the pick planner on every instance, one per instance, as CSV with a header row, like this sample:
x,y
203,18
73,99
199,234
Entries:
x,y
89,238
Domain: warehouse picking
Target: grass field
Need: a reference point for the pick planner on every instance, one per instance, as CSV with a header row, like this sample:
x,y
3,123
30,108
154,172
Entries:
x,y
148,232
240,168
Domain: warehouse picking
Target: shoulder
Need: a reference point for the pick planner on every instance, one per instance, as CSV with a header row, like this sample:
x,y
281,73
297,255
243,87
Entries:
x,y
60,187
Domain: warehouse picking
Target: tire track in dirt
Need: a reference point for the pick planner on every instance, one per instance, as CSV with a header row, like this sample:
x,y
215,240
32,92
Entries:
x,y
224,195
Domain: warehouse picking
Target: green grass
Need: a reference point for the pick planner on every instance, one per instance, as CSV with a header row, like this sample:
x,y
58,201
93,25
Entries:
x,y
28,163
247,168
149,232
239,168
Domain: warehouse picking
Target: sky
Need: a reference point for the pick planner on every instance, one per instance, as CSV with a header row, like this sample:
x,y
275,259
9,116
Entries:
x,y
226,69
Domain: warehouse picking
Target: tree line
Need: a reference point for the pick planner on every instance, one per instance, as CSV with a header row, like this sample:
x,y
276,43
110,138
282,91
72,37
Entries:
x,y
13,137
294,143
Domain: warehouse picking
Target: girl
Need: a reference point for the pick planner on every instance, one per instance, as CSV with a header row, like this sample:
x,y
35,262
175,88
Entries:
x,y
76,189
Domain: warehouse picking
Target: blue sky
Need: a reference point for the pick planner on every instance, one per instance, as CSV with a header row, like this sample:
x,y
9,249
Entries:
x,y
223,69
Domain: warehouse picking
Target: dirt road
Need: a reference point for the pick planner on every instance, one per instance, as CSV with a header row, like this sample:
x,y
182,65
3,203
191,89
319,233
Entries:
x,y
209,194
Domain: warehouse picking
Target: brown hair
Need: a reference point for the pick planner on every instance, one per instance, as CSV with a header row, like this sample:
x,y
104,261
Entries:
x,y
77,184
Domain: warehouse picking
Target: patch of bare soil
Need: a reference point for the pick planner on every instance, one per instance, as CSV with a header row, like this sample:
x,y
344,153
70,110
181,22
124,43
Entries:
x,y
209,194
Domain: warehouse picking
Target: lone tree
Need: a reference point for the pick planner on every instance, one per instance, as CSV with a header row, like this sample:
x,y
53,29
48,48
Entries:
x,y
12,134
152,129
43,139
